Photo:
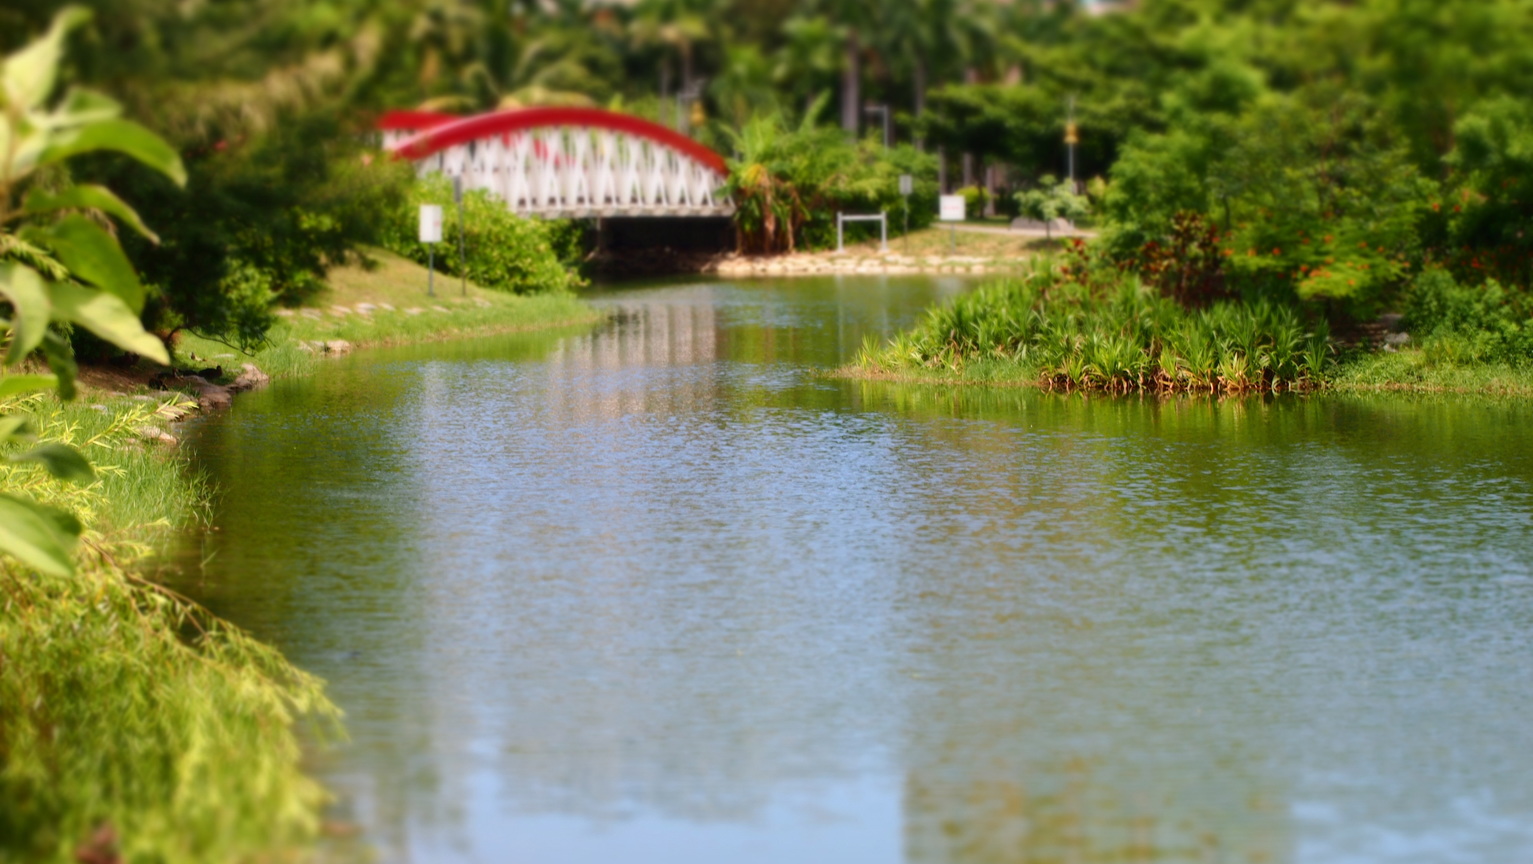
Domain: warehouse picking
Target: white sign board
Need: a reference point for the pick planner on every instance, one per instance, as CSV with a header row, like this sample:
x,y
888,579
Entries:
x,y
431,223
951,208
907,184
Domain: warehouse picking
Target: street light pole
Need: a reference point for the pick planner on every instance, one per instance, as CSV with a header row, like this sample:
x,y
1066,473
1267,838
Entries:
x,y
686,99
1072,137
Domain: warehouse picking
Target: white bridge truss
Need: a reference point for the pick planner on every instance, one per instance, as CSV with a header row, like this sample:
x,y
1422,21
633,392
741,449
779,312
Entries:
x,y
570,163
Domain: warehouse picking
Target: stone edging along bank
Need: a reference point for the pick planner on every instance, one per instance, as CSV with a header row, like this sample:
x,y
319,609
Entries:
x,y
831,263
670,262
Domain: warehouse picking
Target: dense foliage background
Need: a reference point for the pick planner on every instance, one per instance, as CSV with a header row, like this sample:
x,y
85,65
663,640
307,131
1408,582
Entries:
x,y
1319,152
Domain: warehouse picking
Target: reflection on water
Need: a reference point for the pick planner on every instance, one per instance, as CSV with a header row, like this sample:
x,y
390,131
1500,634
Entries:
x,y
658,591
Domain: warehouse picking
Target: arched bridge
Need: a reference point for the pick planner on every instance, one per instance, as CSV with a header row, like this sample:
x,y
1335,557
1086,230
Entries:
x,y
566,162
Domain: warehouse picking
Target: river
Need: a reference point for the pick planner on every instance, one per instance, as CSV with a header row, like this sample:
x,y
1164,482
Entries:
x,y
657,591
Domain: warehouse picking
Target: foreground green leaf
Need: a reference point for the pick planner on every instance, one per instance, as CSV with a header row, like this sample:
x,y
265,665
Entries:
x,y
15,385
62,461
29,75
87,106
92,255
123,136
108,317
29,298
87,197
40,537
14,427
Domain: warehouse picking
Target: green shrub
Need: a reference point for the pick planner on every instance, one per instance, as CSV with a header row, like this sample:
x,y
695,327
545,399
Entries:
x,y
974,200
288,205
1458,324
1313,196
504,252
1052,199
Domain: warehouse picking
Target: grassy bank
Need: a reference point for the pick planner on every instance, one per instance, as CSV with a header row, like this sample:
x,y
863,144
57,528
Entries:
x,y
386,304
1417,370
995,245
1042,329
1045,328
133,726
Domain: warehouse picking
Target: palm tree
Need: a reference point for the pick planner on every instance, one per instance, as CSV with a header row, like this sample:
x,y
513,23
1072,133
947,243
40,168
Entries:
x,y
810,57
743,86
678,25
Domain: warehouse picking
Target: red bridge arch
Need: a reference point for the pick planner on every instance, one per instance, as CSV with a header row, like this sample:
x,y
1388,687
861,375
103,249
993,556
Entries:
x,y
571,162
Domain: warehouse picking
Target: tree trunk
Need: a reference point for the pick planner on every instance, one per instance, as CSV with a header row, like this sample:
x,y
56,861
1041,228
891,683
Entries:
x,y
920,98
970,76
990,185
851,85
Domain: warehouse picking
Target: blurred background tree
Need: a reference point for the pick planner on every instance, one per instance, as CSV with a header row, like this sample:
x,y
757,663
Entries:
x,y
270,103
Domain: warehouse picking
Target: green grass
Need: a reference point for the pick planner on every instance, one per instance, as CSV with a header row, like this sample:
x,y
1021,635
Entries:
x,y
128,715
1045,328
1111,333
1415,370
401,312
995,249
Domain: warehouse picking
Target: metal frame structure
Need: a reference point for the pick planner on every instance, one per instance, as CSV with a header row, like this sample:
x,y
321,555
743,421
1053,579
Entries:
x,y
565,162
883,228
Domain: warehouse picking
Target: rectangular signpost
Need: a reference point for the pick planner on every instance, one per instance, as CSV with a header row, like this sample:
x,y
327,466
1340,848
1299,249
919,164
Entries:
x,y
951,210
431,234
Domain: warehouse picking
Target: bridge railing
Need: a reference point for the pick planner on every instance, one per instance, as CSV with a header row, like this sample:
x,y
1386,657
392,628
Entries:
x,y
567,162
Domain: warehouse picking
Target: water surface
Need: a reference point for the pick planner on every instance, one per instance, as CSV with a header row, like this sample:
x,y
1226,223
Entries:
x,y
657,591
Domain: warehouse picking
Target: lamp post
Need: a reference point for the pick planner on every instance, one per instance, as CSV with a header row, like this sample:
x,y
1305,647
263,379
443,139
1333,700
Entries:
x,y
687,100
1072,137
872,108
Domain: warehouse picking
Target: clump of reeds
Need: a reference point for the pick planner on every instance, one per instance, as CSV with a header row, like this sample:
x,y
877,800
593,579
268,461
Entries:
x,y
134,725
1120,338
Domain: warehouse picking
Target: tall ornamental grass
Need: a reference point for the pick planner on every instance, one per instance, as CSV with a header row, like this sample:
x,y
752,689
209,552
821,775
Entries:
x,y
134,725
1118,336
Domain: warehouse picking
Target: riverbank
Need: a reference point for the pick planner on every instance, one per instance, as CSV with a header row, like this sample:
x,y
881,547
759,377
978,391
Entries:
x,y
385,303
193,753
134,726
1407,371
1049,332
970,250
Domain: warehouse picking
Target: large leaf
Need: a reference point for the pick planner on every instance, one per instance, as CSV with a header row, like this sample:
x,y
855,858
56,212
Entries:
x,y
60,460
87,197
28,297
15,385
40,537
86,106
93,256
108,317
61,359
125,137
29,74
15,427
